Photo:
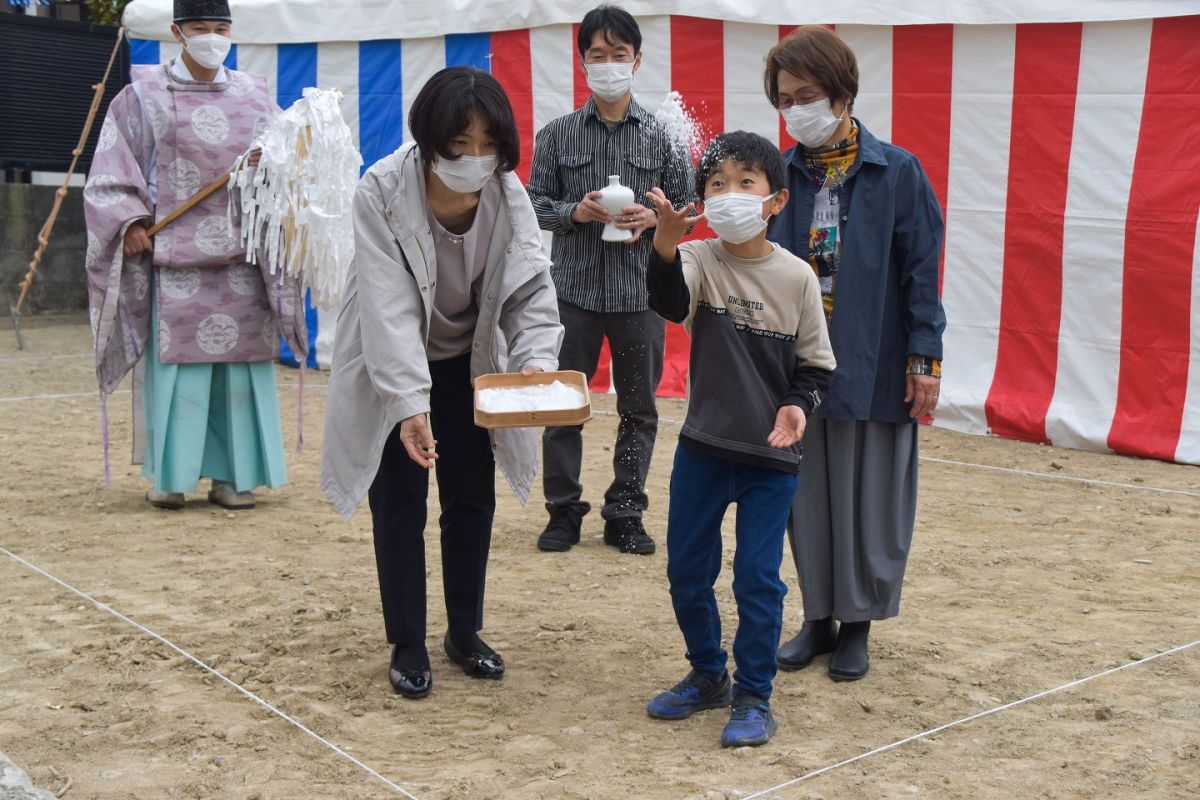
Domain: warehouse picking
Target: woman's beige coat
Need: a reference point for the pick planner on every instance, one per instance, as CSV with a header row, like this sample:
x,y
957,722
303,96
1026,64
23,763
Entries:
x,y
380,370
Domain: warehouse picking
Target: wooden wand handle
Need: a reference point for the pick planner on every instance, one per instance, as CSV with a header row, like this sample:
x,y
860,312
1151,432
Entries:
x,y
192,202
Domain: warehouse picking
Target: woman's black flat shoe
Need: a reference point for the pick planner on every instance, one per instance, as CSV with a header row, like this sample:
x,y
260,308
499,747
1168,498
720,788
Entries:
x,y
477,664
410,683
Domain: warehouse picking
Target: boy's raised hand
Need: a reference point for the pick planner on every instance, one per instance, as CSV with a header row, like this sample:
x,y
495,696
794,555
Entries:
x,y
672,224
790,422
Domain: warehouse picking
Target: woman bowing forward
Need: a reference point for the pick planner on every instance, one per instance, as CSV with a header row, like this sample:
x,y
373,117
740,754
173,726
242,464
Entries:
x,y
449,282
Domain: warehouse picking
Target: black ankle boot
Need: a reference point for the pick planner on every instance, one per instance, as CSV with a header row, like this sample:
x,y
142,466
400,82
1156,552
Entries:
x,y
849,661
815,637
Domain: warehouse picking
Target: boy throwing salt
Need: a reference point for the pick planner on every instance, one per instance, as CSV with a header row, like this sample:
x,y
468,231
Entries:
x,y
760,362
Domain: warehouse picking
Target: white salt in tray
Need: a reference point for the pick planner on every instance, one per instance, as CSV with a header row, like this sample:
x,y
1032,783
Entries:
x,y
512,400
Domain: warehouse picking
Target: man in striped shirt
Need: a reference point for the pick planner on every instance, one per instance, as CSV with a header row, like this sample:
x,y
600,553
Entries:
x,y
602,285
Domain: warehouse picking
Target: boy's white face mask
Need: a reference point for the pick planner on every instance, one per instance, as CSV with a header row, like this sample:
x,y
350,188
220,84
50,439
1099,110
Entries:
x,y
812,124
208,49
465,174
609,81
736,217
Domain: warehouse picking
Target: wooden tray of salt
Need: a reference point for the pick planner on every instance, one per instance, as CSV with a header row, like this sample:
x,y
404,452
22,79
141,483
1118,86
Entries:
x,y
513,400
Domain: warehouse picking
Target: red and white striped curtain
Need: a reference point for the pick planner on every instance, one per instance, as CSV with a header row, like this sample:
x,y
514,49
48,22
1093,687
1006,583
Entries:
x,y
1066,157
1067,160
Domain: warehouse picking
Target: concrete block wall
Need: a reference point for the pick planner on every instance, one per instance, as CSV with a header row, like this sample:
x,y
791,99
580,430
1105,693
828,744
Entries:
x,y
61,282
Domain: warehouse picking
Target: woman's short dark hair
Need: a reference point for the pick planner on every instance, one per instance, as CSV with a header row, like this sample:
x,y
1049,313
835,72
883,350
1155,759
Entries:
x,y
618,25
816,53
445,105
749,150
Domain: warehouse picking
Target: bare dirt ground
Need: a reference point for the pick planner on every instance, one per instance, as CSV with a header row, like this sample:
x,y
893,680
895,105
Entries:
x,y
1017,584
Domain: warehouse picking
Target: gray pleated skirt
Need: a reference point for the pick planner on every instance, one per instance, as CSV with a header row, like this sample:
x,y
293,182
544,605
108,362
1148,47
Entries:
x,y
852,518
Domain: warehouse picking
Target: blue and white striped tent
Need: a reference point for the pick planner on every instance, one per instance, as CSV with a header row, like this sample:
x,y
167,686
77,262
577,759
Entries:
x,y
376,77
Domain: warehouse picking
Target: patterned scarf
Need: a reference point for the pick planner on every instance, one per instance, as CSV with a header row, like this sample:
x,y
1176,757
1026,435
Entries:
x,y
827,168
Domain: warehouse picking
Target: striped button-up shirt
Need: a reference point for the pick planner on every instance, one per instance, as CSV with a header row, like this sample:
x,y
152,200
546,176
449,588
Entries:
x,y
574,155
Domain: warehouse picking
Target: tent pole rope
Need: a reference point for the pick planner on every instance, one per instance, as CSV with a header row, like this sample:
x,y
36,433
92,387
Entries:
x,y
60,195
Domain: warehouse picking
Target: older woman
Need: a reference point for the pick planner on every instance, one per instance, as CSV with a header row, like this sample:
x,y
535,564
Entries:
x,y
449,282
864,216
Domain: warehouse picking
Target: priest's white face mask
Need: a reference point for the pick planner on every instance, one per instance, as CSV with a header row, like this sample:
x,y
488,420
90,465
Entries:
x,y
208,43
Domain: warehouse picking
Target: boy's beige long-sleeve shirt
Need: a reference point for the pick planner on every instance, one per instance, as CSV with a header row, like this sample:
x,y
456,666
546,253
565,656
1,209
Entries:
x,y
759,341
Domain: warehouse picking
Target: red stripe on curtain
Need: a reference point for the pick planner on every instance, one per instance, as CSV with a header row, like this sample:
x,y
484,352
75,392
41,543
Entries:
x,y
582,92
1045,84
512,66
1159,245
922,69
785,139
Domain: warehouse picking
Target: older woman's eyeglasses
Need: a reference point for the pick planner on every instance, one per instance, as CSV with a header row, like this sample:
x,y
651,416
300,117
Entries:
x,y
801,99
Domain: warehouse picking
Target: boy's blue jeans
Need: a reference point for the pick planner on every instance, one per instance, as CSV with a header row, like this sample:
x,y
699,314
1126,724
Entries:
x,y
702,488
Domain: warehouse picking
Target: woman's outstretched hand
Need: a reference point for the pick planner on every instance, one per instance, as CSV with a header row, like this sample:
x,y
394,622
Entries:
x,y
418,440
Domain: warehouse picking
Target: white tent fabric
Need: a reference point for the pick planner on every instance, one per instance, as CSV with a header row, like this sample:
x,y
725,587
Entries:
x,y
296,21
1064,155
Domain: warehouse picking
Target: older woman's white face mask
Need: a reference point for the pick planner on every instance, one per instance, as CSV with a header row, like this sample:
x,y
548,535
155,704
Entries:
x,y
812,124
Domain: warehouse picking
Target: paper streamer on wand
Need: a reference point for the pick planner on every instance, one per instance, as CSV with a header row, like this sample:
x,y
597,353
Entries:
x,y
295,208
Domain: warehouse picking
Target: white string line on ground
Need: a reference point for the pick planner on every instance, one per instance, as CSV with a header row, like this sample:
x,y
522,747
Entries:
x,y
64,396
1029,473
25,398
54,357
248,694
933,731
1052,476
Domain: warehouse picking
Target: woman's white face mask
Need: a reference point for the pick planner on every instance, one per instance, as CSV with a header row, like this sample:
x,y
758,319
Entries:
x,y
813,123
736,217
209,50
466,174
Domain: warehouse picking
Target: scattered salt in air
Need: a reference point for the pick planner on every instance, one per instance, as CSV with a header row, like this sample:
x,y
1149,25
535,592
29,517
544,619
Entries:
x,y
681,126
547,397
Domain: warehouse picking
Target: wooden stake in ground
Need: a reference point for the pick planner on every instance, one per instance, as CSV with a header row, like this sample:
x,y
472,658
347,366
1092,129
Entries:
x,y
44,235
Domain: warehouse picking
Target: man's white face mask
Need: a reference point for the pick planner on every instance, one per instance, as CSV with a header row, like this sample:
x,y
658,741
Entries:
x,y
610,81
209,50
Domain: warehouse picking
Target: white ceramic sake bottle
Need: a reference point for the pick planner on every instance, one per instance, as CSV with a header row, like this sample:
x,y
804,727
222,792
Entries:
x,y
615,198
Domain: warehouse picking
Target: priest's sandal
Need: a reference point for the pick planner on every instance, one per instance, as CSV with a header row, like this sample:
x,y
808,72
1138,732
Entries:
x,y
225,495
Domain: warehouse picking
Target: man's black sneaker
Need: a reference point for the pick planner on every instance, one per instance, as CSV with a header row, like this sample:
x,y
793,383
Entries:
x,y
627,535
562,531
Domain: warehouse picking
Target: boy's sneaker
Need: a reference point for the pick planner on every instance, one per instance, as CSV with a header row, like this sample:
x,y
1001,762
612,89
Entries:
x,y
562,531
750,722
694,693
627,535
